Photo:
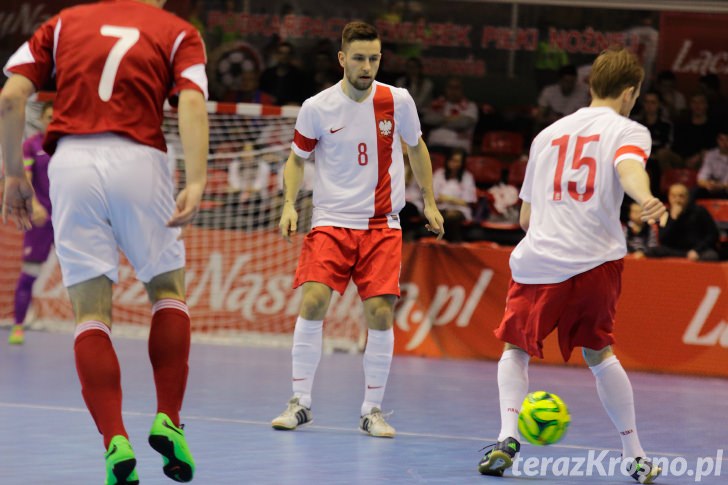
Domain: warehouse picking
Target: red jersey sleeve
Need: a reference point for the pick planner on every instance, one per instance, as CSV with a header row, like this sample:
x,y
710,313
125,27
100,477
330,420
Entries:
x,y
188,63
34,59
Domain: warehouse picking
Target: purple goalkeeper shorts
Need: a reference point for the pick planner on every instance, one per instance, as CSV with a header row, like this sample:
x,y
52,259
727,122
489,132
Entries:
x,y
37,243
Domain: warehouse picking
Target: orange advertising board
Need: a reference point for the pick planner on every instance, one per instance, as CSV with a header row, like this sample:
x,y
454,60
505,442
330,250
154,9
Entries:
x,y
672,315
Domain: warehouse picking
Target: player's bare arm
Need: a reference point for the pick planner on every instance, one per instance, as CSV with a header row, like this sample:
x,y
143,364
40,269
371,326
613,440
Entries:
x,y
194,133
292,180
421,165
524,218
636,184
18,195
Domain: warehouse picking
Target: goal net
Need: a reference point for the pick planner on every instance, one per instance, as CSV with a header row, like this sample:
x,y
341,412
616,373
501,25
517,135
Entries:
x,y
239,269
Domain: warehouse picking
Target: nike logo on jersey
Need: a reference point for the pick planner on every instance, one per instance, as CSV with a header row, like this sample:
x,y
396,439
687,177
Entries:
x,y
374,387
335,130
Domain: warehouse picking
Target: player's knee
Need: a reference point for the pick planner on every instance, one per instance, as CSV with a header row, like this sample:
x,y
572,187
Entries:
x,y
594,357
167,285
380,317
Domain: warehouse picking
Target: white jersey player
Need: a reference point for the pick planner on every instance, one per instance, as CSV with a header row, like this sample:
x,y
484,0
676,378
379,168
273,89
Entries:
x,y
355,128
567,270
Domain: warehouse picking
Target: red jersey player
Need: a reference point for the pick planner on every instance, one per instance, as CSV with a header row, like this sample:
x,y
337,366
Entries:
x,y
114,64
354,127
567,270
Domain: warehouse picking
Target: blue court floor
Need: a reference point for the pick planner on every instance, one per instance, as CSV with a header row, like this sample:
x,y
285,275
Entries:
x,y
444,412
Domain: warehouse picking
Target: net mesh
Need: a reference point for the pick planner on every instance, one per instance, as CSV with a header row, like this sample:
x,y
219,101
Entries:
x,y
239,270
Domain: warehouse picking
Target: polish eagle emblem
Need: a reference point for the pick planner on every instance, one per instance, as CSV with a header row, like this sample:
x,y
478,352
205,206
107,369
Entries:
x,y
385,127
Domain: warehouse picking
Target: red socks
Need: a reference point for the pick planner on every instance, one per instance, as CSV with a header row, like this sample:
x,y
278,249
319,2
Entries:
x,y
169,350
98,371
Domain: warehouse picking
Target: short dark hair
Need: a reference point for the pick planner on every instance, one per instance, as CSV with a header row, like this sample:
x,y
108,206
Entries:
x,y
615,70
357,30
567,70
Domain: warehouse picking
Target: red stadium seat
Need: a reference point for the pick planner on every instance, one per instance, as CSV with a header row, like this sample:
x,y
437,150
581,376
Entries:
x,y
502,143
486,170
685,176
718,208
516,173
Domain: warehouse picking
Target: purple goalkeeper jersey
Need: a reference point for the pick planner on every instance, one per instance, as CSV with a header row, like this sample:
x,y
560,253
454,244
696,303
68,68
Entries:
x,y
36,162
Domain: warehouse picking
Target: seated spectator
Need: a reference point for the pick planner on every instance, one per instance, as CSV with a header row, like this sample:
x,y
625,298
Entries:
x,y
709,84
285,82
419,86
452,118
696,133
248,90
325,72
651,116
248,177
713,174
690,231
639,235
454,189
673,100
563,98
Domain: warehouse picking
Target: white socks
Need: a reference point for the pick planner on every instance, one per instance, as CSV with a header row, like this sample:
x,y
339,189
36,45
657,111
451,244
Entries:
x,y
615,391
377,361
512,390
307,343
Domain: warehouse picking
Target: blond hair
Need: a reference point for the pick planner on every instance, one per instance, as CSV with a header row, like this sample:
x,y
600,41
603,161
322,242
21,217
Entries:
x,y
615,70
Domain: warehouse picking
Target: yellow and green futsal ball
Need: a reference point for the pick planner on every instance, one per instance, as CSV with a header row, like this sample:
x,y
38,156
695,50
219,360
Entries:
x,y
544,418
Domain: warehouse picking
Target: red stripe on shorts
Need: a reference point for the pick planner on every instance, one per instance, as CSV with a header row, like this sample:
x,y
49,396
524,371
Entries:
x,y
384,124
304,143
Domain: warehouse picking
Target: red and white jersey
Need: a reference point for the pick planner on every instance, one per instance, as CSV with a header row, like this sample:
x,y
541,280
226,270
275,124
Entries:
x,y
359,175
575,194
114,63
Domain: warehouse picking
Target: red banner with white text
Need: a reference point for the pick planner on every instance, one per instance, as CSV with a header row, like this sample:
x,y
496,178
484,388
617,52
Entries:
x,y
692,45
672,316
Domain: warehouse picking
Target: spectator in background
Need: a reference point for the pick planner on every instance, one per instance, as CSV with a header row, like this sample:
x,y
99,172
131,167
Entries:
x,y
452,118
248,90
709,85
563,98
713,175
696,133
325,73
284,81
640,235
419,86
673,99
652,118
690,231
454,188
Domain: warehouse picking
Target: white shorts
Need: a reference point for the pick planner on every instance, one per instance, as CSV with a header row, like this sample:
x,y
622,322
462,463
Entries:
x,y
110,193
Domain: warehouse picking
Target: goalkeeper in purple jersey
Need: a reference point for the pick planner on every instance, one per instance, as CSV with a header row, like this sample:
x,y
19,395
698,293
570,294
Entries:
x,y
38,240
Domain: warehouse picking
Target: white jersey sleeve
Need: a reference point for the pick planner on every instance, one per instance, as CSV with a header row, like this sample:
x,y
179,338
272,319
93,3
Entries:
x,y
635,144
307,130
406,117
527,186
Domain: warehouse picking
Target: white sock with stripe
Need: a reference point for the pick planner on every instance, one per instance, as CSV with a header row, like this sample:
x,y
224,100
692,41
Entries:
x,y
306,353
615,391
377,362
512,390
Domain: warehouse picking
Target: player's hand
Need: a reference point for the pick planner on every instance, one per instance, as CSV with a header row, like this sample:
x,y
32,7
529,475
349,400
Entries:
x,y
435,222
653,211
188,203
18,202
289,221
40,215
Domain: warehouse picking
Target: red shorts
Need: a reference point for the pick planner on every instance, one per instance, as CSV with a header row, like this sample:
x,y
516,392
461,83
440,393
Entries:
x,y
371,257
582,307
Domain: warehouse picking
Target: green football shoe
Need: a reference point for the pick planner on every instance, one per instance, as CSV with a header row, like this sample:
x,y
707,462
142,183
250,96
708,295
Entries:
x,y
169,441
120,463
